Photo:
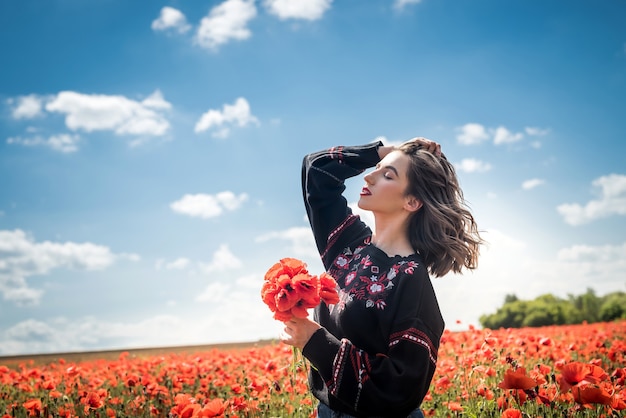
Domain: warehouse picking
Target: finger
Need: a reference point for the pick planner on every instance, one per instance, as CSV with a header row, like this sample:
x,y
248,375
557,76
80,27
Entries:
x,y
428,145
423,142
431,146
284,337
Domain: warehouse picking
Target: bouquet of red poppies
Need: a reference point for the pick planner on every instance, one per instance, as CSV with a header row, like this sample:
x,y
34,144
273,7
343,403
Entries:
x,y
289,289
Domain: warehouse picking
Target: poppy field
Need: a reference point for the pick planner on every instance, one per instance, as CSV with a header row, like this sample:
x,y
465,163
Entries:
x,y
559,371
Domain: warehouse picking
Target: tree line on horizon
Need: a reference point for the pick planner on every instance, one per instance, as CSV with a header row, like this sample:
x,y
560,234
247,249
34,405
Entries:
x,y
548,309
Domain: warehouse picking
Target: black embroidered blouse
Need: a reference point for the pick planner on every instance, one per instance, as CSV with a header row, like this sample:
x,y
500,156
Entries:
x,y
377,350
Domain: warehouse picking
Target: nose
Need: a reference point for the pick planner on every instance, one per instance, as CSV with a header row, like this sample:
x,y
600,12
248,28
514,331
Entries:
x,y
369,177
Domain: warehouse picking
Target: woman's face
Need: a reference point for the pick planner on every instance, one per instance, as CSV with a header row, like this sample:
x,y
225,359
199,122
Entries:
x,y
384,190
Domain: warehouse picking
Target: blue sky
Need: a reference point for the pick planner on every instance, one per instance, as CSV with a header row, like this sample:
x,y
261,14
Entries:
x,y
150,152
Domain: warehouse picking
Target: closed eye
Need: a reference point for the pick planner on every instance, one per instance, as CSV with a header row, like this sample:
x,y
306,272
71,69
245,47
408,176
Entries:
x,y
389,171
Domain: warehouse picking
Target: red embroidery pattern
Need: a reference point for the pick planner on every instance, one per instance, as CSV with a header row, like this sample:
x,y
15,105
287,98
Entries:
x,y
361,366
361,279
338,365
415,336
334,235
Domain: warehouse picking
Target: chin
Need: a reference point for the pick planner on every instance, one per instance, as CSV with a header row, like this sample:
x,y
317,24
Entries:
x,y
364,207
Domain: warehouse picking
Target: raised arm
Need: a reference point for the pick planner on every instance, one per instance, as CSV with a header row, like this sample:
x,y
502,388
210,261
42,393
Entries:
x,y
323,176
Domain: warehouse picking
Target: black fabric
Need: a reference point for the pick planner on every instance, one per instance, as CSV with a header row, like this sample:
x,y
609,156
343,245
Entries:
x,y
377,350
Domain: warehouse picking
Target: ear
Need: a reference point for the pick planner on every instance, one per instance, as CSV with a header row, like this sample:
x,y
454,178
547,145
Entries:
x,y
412,204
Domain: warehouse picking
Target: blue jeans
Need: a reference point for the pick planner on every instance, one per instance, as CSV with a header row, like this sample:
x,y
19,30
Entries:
x,y
323,411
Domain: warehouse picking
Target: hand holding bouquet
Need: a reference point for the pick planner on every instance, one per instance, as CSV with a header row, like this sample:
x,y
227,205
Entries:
x,y
289,289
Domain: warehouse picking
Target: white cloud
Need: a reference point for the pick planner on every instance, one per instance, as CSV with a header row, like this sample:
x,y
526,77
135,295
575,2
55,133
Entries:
x,y
225,22
180,263
19,292
206,205
591,254
475,133
301,239
27,107
471,134
60,334
503,136
30,330
501,269
471,165
238,314
237,114
171,18
612,201
532,183
22,257
301,9
156,101
64,143
223,259
534,131
98,112
251,281
508,266
400,4
213,293
230,201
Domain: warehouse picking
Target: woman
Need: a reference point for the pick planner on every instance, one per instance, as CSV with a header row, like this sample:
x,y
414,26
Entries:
x,y
374,353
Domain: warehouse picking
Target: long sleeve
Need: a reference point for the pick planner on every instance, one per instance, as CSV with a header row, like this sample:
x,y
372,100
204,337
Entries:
x,y
323,176
393,380
376,352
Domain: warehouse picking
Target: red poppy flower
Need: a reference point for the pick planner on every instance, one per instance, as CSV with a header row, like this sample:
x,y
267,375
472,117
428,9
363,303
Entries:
x,y
288,266
512,413
93,400
454,406
328,290
289,289
213,408
517,379
575,373
287,296
33,406
306,287
190,411
588,394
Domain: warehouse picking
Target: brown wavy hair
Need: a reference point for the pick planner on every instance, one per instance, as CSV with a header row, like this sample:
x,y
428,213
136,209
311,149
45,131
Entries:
x,y
443,231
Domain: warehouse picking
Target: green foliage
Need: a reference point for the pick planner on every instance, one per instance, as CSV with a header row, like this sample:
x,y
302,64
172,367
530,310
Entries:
x,y
614,307
510,298
548,309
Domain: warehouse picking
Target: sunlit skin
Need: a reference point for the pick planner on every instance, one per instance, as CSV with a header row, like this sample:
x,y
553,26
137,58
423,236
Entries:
x,y
384,195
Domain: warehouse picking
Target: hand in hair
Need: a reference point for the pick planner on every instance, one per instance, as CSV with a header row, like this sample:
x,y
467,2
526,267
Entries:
x,y
421,142
427,144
